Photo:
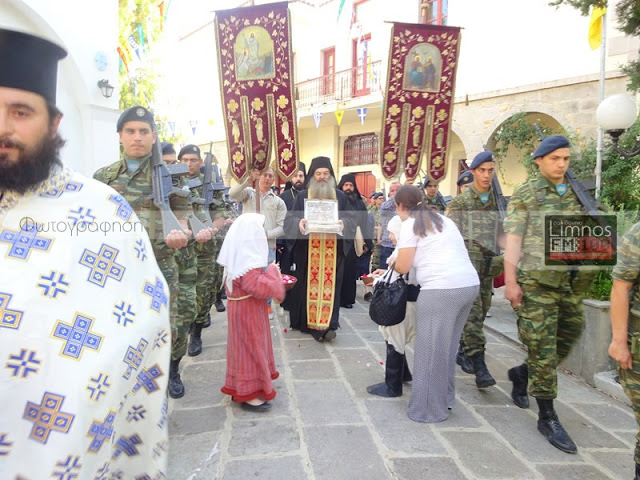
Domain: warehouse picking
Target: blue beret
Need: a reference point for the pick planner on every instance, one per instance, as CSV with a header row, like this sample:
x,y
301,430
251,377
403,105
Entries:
x,y
189,149
135,114
550,144
465,178
481,158
167,148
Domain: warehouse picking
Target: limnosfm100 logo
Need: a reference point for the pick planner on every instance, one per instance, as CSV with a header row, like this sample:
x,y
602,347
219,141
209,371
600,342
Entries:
x,y
580,240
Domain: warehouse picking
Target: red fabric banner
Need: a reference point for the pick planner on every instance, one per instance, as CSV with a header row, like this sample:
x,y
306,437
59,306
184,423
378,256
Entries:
x,y
419,99
254,52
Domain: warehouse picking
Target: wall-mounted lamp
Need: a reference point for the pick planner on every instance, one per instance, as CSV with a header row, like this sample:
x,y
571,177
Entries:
x,y
614,115
105,88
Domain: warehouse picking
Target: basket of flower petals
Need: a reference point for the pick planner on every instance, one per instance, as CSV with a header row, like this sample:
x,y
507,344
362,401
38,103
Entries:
x,y
366,279
288,281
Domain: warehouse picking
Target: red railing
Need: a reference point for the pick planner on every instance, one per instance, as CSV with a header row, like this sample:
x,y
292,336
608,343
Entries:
x,y
355,82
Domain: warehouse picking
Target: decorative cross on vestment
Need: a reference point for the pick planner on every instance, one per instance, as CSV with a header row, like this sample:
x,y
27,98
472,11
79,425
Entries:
x,y
156,292
8,318
47,417
24,240
77,336
101,431
102,264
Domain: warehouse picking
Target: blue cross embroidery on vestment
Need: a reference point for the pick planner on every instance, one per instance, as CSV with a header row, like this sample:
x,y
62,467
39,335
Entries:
x,y
98,386
163,414
127,445
133,357
77,337
47,417
102,264
156,292
161,339
141,250
147,379
23,241
159,448
9,318
101,431
136,413
23,363
124,313
69,468
68,187
81,217
5,444
123,209
53,284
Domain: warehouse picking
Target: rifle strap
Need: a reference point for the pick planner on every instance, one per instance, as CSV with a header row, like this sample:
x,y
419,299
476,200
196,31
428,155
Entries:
x,y
152,215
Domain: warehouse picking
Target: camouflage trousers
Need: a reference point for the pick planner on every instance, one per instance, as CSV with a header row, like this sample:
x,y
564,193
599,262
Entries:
x,y
473,337
549,322
169,269
630,380
216,271
375,257
204,290
187,278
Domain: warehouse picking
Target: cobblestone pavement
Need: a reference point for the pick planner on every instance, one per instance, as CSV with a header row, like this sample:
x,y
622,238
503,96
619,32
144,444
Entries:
x,y
324,425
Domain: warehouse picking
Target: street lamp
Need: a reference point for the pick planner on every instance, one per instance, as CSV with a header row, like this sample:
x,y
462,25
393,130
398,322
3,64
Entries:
x,y
105,88
615,115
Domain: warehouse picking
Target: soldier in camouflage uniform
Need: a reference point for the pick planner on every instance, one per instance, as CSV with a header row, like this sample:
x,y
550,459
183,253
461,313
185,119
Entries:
x,y
131,177
374,209
432,197
549,300
191,156
625,323
224,210
475,213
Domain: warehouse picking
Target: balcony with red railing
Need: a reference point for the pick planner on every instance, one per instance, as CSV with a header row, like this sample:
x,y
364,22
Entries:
x,y
340,86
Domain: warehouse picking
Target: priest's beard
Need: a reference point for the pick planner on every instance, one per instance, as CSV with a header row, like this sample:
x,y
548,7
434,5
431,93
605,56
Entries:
x,y
322,190
33,164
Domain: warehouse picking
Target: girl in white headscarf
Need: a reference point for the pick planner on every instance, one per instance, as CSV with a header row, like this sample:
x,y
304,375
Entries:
x,y
249,281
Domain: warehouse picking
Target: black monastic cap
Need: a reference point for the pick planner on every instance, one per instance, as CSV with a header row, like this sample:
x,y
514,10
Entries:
x,y
189,149
135,114
319,162
29,63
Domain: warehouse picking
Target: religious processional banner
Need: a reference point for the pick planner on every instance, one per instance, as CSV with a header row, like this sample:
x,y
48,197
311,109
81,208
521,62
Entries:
x,y
254,55
419,99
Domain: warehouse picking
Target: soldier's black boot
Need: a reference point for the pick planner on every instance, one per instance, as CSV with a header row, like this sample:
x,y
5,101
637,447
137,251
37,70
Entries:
x,y
406,373
176,388
520,377
195,340
219,305
552,429
483,377
465,362
207,321
393,374
637,477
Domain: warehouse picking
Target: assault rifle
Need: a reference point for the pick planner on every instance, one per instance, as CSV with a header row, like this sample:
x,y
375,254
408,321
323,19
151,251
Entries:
x,y
582,194
163,187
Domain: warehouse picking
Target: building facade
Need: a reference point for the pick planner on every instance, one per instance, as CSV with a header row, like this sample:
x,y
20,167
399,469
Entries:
x,y
89,119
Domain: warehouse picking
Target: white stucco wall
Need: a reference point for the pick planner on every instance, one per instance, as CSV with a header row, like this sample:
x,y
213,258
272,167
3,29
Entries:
x,y
83,28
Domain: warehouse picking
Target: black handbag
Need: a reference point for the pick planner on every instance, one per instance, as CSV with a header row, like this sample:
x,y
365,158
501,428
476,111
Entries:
x,y
389,302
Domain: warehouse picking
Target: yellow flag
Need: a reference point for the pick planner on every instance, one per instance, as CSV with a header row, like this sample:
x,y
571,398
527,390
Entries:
x,y
595,27
339,114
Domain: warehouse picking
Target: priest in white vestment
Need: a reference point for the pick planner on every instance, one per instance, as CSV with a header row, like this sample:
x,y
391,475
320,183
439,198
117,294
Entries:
x,y
84,329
